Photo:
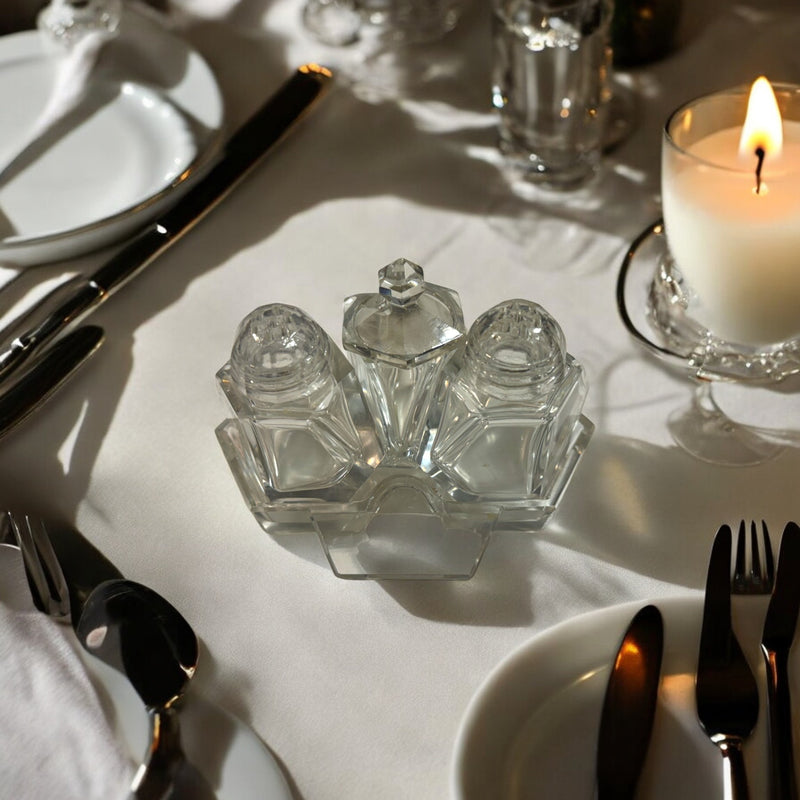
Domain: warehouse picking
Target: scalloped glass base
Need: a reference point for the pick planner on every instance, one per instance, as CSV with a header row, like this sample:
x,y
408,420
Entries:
x,y
661,312
670,320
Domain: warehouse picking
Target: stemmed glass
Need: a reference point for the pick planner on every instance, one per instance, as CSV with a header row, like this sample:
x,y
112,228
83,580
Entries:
x,y
658,307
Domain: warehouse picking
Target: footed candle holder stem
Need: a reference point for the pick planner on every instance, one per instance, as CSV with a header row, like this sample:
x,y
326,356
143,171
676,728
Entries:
x,y
704,430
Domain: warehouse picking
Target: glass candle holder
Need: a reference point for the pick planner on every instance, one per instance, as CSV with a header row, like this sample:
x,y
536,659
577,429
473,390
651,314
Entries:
x,y
730,221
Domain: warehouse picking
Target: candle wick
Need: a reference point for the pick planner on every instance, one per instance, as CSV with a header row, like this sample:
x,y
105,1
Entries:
x,y
760,153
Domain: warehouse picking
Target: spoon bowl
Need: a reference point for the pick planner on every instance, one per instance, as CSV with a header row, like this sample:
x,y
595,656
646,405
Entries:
x,y
136,631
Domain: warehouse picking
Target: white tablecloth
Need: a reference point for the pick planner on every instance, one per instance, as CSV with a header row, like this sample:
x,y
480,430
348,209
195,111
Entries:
x,y
359,687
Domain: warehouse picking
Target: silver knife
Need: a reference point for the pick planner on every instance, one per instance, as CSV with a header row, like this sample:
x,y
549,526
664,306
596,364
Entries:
x,y
46,374
246,147
629,707
776,641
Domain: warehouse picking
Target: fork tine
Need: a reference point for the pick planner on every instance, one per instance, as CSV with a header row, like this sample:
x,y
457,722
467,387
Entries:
x,y
33,571
59,593
739,581
755,563
45,578
769,562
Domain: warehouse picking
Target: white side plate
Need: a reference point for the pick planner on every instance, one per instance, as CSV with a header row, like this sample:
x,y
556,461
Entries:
x,y
531,730
151,119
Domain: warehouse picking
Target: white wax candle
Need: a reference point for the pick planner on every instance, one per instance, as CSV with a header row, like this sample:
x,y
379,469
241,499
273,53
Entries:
x,y
738,250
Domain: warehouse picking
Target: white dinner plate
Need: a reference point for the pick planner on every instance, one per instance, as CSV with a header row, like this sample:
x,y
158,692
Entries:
x,y
530,732
151,120
232,760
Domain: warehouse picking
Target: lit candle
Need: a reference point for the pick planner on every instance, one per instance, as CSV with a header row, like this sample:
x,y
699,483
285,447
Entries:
x,y
731,200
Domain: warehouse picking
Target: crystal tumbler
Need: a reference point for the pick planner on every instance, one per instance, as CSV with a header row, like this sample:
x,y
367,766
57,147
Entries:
x,y
550,85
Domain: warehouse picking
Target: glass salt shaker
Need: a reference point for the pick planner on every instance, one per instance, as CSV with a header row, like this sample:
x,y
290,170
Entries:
x,y
400,340
284,382
510,412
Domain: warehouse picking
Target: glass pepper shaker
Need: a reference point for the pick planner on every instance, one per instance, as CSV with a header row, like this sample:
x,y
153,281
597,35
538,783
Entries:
x,y
284,382
509,413
400,340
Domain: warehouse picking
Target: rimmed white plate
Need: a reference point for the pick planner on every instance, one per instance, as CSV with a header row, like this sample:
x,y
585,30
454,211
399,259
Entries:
x,y
150,121
232,760
530,732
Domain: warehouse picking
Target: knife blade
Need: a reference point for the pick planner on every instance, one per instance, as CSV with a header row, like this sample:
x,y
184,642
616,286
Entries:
x,y
47,374
776,641
246,147
629,706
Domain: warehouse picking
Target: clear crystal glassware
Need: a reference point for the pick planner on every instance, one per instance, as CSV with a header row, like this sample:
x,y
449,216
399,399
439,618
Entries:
x,y
333,22
319,444
510,413
400,340
65,22
412,21
284,383
551,74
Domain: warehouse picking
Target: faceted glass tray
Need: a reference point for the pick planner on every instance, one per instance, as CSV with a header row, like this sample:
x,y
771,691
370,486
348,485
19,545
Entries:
x,y
401,520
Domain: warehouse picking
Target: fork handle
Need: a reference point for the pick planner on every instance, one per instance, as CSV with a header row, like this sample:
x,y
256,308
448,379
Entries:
x,y
735,777
783,784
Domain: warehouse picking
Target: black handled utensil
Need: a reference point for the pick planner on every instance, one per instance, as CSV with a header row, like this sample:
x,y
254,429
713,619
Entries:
x,y
629,707
246,147
46,375
725,689
776,641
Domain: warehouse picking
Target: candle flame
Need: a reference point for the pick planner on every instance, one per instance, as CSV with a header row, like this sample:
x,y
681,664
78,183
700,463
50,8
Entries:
x,y
763,127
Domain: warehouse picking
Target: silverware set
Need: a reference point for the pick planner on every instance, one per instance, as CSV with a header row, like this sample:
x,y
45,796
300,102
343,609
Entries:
x,y
726,689
35,355
137,631
127,626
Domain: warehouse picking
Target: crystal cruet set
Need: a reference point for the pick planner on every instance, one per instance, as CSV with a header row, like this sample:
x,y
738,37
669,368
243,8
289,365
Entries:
x,y
408,452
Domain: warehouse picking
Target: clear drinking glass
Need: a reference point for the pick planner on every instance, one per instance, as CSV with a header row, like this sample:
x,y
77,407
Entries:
x,y
413,21
550,85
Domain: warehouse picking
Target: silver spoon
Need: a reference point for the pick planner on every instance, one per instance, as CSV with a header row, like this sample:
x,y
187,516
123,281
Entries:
x,y
136,631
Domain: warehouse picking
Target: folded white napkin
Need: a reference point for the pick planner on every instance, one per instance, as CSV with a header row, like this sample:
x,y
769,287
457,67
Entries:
x,y
57,740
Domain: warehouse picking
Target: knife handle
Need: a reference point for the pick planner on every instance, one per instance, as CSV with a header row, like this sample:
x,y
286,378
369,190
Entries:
x,y
783,784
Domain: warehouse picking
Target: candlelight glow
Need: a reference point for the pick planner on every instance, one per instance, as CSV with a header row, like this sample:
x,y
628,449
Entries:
x,y
763,127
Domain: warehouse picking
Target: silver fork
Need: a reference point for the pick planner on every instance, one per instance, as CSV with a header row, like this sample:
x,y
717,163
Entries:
x,y
726,692
45,577
758,578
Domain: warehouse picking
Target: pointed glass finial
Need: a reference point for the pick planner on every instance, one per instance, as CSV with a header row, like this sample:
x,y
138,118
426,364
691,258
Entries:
x,y
401,281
